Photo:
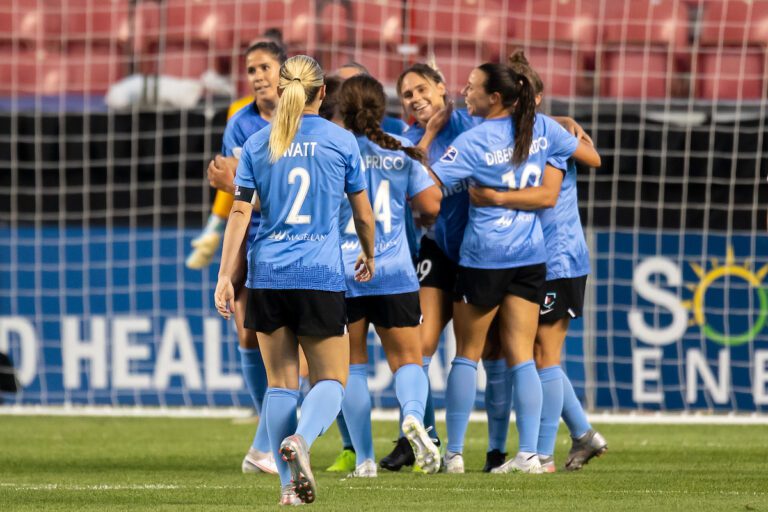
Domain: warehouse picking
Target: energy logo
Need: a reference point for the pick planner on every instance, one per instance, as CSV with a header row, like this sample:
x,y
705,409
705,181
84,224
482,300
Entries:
x,y
730,269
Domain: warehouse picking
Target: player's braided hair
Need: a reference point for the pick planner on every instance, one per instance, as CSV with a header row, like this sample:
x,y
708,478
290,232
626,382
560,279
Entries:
x,y
361,105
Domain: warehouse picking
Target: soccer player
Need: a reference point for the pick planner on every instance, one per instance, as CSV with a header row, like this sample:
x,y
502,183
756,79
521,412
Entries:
x,y
389,124
423,94
263,101
298,169
562,297
263,60
503,255
390,301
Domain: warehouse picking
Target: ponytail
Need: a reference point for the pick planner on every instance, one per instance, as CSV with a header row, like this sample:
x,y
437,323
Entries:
x,y
300,80
523,117
517,95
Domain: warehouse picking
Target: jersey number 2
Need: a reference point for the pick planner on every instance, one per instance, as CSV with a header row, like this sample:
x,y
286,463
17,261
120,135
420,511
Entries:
x,y
294,217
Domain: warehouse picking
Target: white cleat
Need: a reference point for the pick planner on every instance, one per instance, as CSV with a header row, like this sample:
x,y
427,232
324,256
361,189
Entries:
x,y
547,463
259,462
522,463
295,452
204,248
453,463
426,453
367,469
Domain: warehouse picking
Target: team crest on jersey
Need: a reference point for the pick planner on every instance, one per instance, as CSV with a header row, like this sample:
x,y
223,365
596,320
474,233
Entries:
x,y
549,300
450,155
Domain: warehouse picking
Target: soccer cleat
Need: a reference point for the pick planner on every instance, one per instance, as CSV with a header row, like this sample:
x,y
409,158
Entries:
x,y
547,463
365,470
453,463
591,444
493,459
436,442
295,452
259,462
401,455
344,463
522,463
288,497
426,454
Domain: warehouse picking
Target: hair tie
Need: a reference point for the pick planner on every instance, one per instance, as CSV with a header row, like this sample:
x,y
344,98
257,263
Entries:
x,y
297,79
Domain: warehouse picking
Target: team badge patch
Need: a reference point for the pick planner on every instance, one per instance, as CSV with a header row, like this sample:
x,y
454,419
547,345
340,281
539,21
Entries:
x,y
549,300
450,155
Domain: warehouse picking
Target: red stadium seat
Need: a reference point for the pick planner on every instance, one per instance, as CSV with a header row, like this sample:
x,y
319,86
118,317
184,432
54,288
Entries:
x,y
558,38
94,43
732,46
645,48
460,34
31,72
196,36
371,37
28,23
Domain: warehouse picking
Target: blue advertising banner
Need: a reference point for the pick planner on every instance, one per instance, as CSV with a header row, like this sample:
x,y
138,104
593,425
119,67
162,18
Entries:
x,y
112,317
681,321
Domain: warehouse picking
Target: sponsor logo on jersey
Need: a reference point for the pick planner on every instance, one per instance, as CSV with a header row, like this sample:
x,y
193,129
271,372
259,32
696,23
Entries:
x,y
350,246
450,155
304,237
504,221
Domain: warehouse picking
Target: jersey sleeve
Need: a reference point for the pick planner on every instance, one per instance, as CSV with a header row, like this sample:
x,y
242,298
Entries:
x,y
418,178
457,163
244,175
229,142
354,180
562,145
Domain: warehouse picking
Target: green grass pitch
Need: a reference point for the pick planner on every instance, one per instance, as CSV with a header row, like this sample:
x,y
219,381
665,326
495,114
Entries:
x,y
77,463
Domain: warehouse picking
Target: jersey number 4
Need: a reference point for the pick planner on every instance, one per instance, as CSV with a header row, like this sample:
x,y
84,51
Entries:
x,y
382,210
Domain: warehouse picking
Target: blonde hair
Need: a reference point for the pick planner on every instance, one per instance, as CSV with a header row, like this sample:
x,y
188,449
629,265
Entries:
x,y
301,77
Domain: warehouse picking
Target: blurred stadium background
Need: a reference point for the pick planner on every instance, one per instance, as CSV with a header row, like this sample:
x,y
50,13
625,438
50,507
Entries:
x,y
98,204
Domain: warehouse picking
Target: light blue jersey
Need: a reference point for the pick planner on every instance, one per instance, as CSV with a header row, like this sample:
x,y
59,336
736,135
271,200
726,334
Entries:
x,y
567,253
240,126
448,230
497,237
297,245
393,125
392,176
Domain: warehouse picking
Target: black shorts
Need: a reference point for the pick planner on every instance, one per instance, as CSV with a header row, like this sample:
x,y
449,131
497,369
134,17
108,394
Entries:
x,y
434,268
561,298
305,312
398,310
487,287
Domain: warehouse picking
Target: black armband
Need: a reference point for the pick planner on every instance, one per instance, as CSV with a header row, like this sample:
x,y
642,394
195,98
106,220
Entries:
x,y
248,195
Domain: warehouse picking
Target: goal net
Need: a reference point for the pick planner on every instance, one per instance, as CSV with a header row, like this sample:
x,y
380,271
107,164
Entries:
x,y
110,111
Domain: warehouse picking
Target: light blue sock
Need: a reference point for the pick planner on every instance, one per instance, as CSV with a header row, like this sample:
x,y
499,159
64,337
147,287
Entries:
x,y
497,403
346,440
552,407
429,409
411,390
527,396
255,376
320,407
573,412
281,404
356,406
460,397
